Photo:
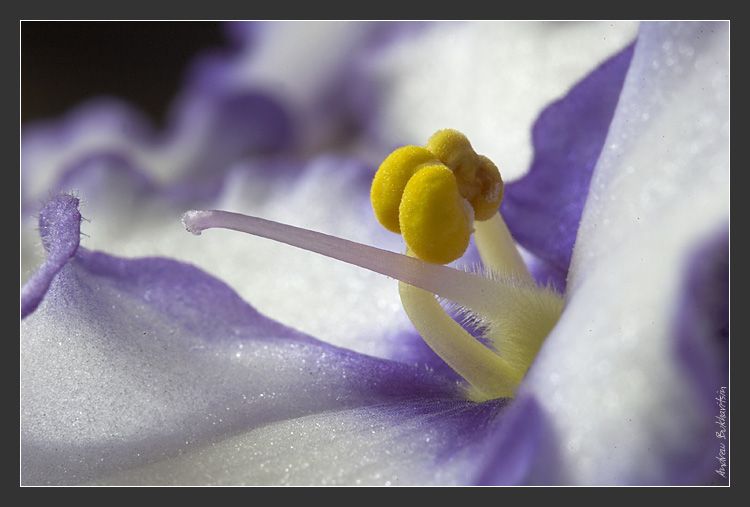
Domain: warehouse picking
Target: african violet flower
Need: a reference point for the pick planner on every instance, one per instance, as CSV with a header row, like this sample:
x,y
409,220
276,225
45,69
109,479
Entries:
x,y
155,366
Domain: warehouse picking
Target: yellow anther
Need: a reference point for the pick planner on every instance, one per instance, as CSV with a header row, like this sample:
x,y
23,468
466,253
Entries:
x,y
450,146
478,178
391,179
435,220
467,188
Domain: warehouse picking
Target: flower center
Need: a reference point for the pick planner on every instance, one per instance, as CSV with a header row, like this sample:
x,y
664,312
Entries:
x,y
436,197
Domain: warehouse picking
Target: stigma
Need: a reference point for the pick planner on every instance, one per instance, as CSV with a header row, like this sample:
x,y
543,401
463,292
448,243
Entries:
x,y
437,197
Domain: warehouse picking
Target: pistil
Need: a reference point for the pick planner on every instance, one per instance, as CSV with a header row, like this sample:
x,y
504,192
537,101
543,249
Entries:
x,y
436,197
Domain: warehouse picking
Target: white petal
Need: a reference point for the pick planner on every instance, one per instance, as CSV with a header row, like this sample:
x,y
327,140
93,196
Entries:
x,y
607,374
412,443
489,80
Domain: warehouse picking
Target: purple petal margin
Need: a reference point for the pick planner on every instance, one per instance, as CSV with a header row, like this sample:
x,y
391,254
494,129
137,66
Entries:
x,y
59,227
543,209
187,296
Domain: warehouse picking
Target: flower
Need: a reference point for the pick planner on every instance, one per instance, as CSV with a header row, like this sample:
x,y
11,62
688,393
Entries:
x,y
154,366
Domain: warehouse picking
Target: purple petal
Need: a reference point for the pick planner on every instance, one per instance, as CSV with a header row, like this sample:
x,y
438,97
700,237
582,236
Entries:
x,y
543,208
223,126
314,86
50,149
517,450
59,226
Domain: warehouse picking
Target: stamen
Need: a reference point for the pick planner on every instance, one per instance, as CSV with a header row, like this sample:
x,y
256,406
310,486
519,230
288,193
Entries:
x,y
489,374
478,178
498,249
436,197
433,195
436,222
390,181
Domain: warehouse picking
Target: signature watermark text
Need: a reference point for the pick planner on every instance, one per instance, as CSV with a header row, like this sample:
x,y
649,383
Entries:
x,y
721,433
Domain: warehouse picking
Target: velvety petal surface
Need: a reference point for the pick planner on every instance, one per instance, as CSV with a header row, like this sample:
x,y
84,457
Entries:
x,y
609,378
415,442
131,361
